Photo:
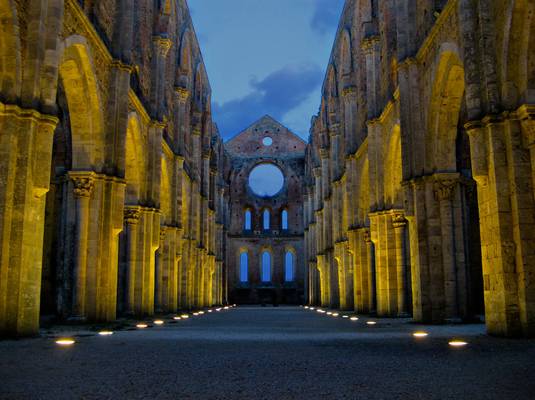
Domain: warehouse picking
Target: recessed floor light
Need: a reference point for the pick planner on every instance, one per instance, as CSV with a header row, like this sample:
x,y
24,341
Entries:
x,y
457,343
65,342
354,319
420,334
141,326
158,322
105,333
371,323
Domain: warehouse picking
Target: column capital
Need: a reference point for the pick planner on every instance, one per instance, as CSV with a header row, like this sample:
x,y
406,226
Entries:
x,y
324,153
132,215
183,94
349,92
445,187
83,184
398,220
367,236
369,43
162,44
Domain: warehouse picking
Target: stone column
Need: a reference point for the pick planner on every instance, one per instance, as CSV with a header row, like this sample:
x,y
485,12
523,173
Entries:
x,y
131,218
444,191
399,222
371,272
83,185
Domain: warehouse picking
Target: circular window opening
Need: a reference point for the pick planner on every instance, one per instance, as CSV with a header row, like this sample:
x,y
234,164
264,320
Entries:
x,y
267,141
266,180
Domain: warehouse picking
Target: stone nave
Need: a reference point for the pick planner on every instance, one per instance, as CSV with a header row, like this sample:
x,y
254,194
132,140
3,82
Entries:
x,y
415,194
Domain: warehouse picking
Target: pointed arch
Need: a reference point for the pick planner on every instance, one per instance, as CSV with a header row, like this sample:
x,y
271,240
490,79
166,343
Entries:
x,y
77,75
445,108
266,266
134,161
346,62
289,265
393,169
244,265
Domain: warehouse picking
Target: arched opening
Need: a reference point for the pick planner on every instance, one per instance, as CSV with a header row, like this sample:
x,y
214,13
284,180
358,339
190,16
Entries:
x,y
266,267
78,145
289,266
266,220
393,173
266,180
244,267
284,220
248,220
135,162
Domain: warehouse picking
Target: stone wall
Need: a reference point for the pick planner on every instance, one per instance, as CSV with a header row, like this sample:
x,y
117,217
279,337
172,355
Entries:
x,y
422,158
246,151
109,185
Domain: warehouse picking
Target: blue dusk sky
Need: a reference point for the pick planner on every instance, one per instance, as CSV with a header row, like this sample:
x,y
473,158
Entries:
x,y
265,57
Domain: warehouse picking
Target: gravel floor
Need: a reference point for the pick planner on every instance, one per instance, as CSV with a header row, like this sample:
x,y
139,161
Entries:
x,y
271,353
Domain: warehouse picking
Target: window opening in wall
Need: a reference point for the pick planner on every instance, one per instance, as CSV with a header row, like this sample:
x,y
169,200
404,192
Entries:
x,y
289,267
267,141
266,266
267,220
244,267
248,225
284,218
266,180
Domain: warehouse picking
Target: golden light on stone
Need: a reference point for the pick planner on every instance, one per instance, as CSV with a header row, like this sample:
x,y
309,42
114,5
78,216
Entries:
x,y
158,322
105,333
65,342
185,316
420,334
141,326
457,343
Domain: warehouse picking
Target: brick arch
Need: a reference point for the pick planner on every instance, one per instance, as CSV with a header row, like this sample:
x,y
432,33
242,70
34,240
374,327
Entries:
x,y
76,72
445,107
10,52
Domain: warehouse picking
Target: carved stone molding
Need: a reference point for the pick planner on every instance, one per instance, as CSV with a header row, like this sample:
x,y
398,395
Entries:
x,y
163,45
182,93
83,186
399,221
444,189
369,44
132,215
349,92
367,236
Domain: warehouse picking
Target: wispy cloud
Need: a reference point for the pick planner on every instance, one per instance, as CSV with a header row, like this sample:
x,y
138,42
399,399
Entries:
x,y
326,15
277,94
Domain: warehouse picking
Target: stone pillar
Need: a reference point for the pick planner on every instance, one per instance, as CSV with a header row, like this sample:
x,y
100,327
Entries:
x,y
399,222
350,112
444,191
503,172
83,185
371,272
131,218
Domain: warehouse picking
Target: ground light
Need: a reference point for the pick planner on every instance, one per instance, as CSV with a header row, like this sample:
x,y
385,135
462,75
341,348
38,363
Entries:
x,y
185,316
65,342
307,307
201,312
345,316
141,326
226,307
371,323
158,322
329,313
210,310
457,343
105,333
177,318
420,334
218,309
195,313
335,314
354,319
312,308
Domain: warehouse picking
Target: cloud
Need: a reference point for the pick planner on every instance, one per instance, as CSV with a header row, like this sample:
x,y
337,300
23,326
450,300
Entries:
x,y
277,94
326,15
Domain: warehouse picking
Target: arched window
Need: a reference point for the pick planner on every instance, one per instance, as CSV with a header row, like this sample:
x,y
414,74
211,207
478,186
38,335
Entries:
x,y
266,266
289,267
284,218
248,220
267,219
244,267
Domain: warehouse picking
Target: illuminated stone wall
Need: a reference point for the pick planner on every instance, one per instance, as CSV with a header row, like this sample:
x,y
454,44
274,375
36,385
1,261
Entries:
x,y
420,169
246,151
109,192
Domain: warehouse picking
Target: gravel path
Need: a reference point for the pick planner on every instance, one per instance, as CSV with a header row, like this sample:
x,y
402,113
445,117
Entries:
x,y
271,353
